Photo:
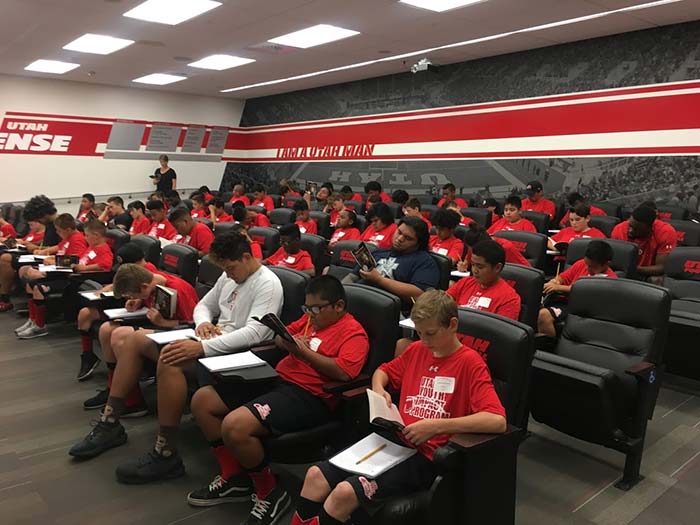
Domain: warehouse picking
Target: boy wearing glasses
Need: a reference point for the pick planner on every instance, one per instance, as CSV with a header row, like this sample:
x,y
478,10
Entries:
x,y
330,346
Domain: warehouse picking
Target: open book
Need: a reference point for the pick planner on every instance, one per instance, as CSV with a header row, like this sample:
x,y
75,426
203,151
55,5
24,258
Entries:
x,y
96,295
226,363
123,313
382,415
166,301
363,256
47,268
276,325
372,456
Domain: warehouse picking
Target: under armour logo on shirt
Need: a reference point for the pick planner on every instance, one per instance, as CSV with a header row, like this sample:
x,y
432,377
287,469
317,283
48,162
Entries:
x,y
433,368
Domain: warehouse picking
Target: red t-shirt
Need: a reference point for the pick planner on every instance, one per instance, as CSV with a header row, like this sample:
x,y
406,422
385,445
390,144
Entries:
x,y
522,225
344,234
543,206
568,234
594,211
460,202
382,195
452,247
200,237
356,197
7,230
265,203
35,237
187,298
83,215
299,261
309,226
427,223
261,221
662,240
224,217
101,255
501,298
256,250
464,221
345,341
152,268
513,255
163,230
578,270
200,214
140,226
73,245
334,217
243,198
208,196
382,238
441,388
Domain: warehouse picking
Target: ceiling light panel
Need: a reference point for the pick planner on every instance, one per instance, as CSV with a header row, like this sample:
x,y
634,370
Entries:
x,y
159,79
51,66
221,62
314,36
171,12
98,44
440,6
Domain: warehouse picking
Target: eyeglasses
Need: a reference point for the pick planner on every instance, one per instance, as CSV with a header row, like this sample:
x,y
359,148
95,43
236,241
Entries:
x,y
314,309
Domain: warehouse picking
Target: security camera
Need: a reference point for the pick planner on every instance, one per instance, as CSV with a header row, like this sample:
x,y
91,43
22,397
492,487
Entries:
x,y
424,64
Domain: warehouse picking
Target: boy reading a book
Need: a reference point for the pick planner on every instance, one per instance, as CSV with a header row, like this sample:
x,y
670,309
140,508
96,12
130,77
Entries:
x,y
445,388
579,217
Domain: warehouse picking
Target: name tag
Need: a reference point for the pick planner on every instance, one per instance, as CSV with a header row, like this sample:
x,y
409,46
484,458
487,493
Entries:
x,y
483,302
29,238
340,234
65,246
314,343
442,251
92,254
379,237
302,229
161,226
444,385
290,260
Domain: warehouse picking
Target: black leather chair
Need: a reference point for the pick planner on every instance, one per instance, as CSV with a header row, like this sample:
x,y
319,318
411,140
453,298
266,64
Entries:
x,y
476,480
675,213
294,289
207,222
444,265
228,208
290,201
533,246
425,199
540,220
316,246
276,199
282,216
428,210
150,246
117,238
396,209
208,274
323,221
612,209
528,282
356,206
188,203
601,382
688,232
258,209
682,278
361,223
605,223
625,255
342,261
181,260
269,239
222,228
479,215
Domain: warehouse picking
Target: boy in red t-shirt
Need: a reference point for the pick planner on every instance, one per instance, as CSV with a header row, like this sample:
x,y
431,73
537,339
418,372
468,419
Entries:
x,y
475,234
595,263
512,220
579,217
574,199
372,188
6,229
87,211
346,229
239,195
262,199
199,208
191,232
140,224
161,228
454,208
217,211
444,242
304,221
445,388
448,196
290,254
381,226
536,200
412,208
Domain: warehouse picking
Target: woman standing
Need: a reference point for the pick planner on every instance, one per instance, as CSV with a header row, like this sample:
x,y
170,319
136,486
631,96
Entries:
x,y
164,177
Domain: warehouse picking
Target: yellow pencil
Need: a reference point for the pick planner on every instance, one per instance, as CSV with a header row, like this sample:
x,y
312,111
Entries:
x,y
308,322
558,268
414,301
369,455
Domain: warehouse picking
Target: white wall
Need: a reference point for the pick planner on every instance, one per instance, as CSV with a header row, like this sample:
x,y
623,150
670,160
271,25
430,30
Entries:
x,y
22,176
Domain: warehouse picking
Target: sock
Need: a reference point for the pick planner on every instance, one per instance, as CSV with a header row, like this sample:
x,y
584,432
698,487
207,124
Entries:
x,y
39,312
30,305
166,442
110,374
263,479
112,410
326,519
307,510
85,341
228,464
135,397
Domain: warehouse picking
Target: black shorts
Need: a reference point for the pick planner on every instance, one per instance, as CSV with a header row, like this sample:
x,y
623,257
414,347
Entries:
x,y
414,474
281,407
50,285
558,312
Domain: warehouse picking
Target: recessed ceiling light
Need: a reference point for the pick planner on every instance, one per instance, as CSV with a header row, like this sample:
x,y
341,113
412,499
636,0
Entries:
x,y
98,44
171,12
314,36
221,62
51,66
440,6
159,79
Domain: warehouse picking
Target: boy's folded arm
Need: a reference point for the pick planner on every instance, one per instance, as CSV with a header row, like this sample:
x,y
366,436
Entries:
x,y
479,423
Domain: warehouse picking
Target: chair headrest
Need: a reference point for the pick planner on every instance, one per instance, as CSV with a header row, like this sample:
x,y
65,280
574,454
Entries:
x,y
683,263
182,260
294,288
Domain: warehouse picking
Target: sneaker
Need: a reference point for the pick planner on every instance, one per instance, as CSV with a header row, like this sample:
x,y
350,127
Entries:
x,y
33,332
100,439
23,327
6,306
150,467
97,401
135,411
88,362
267,511
237,488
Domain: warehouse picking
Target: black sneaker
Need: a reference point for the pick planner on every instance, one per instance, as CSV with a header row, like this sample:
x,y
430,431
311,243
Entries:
x,y
97,401
135,411
237,488
88,363
150,467
101,438
267,511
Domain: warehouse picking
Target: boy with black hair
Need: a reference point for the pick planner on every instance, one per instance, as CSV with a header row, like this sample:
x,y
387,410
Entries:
x,y
199,210
262,199
595,263
86,211
345,228
290,254
239,195
536,200
244,290
140,224
454,208
438,371
579,216
349,195
116,214
172,197
381,228
373,187
330,346
400,197
475,234
491,204
444,241
161,228
335,206
304,221
448,195
204,190
217,211
654,238
413,209
191,232
512,220
575,198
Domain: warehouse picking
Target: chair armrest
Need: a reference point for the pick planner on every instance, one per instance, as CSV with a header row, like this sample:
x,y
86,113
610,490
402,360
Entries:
x,y
644,371
100,277
361,382
263,346
476,442
349,395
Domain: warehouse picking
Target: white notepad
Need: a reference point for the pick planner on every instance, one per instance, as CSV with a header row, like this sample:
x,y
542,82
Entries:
x,y
25,258
163,338
54,268
351,459
91,296
226,363
456,273
123,313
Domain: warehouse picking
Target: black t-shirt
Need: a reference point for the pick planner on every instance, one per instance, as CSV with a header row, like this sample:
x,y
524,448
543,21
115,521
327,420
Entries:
x,y
51,237
123,219
166,179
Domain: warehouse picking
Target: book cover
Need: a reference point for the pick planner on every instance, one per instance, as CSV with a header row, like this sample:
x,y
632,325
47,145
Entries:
x,y
276,325
66,261
363,256
382,415
166,301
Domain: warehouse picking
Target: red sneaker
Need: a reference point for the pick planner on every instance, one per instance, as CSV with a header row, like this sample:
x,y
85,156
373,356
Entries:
x,y
6,306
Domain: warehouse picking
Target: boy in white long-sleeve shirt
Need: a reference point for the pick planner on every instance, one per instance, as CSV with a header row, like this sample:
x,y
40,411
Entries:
x,y
245,289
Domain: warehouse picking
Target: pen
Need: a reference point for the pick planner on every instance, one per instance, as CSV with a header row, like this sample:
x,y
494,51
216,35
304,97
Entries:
x,y
369,455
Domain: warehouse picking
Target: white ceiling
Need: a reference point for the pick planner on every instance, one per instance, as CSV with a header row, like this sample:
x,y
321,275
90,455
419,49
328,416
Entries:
x,y
33,29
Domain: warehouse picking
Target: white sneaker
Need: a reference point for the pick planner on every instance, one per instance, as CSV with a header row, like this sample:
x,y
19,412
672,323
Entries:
x,y
23,327
33,331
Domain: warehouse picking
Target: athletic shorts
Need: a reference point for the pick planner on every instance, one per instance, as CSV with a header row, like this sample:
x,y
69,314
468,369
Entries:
x,y
48,286
559,313
282,407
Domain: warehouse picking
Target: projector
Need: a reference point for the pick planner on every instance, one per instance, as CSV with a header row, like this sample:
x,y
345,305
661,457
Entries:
x,y
424,64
